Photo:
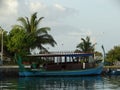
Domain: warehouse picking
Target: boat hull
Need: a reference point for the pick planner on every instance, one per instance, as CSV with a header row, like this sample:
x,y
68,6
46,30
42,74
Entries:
x,y
93,71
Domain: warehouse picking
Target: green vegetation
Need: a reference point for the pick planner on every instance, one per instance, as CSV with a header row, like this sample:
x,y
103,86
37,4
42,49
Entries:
x,y
27,36
37,36
17,42
86,45
113,55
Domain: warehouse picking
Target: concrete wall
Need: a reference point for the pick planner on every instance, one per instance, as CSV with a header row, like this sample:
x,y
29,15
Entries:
x,y
8,71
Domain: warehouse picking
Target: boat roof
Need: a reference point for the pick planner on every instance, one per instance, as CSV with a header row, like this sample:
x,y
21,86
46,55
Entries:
x,y
62,55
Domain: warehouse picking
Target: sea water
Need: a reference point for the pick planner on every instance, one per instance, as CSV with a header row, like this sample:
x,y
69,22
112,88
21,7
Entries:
x,y
61,83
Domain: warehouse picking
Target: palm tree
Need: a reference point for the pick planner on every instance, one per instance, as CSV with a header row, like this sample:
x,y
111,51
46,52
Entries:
x,y
38,36
86,45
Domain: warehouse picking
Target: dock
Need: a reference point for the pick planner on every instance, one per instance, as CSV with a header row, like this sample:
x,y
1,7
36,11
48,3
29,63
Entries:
x,y
112,67
10,71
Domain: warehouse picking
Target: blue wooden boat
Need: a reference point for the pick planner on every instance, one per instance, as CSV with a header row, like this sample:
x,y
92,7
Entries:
x,y
62,64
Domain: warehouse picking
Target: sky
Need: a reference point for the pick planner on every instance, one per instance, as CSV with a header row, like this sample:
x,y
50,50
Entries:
x,y
69,20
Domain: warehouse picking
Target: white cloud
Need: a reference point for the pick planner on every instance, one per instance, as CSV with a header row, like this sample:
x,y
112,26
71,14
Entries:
x,y
12,6
60,7
36,6
8,13
9,7
52,11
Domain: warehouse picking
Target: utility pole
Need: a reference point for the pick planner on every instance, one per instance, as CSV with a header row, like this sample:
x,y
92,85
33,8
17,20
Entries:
x,y
1,46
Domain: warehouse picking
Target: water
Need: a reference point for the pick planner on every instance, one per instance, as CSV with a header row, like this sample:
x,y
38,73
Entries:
x,y
61,83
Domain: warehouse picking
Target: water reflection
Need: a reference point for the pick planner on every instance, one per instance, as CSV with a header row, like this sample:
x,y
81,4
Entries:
x,y
60,83
8,83
114,82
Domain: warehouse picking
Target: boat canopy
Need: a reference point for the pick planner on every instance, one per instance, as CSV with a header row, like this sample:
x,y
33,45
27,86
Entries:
x,y
62,55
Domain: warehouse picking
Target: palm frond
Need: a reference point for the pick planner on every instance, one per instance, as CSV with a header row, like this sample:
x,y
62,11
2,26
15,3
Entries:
x,y
38,21
18,26
23,21
35,36
86,45
43,30
28,27
46,39
32,21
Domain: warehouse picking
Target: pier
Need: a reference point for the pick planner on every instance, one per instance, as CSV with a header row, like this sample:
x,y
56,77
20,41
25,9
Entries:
x,y
112,67
10,71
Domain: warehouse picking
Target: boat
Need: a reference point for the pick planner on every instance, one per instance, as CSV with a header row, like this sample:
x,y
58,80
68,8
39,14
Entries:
x,y
61,64
113,72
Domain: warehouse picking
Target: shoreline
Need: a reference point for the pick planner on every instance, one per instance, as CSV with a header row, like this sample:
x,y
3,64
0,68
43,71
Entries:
x,y
10,71
13,70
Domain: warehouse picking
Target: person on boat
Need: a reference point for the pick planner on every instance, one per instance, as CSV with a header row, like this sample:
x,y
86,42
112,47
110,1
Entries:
x,y
33,65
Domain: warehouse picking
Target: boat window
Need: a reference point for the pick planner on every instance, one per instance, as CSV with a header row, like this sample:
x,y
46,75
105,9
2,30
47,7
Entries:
x,y
91,60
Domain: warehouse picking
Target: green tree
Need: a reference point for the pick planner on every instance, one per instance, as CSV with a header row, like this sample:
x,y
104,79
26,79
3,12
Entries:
x,y
113,55
40,36
86,45
98,55
17,41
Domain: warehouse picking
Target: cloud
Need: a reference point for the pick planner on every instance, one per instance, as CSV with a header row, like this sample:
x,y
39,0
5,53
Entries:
x,y
8,12
52,12
60,7
36,6
8,7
